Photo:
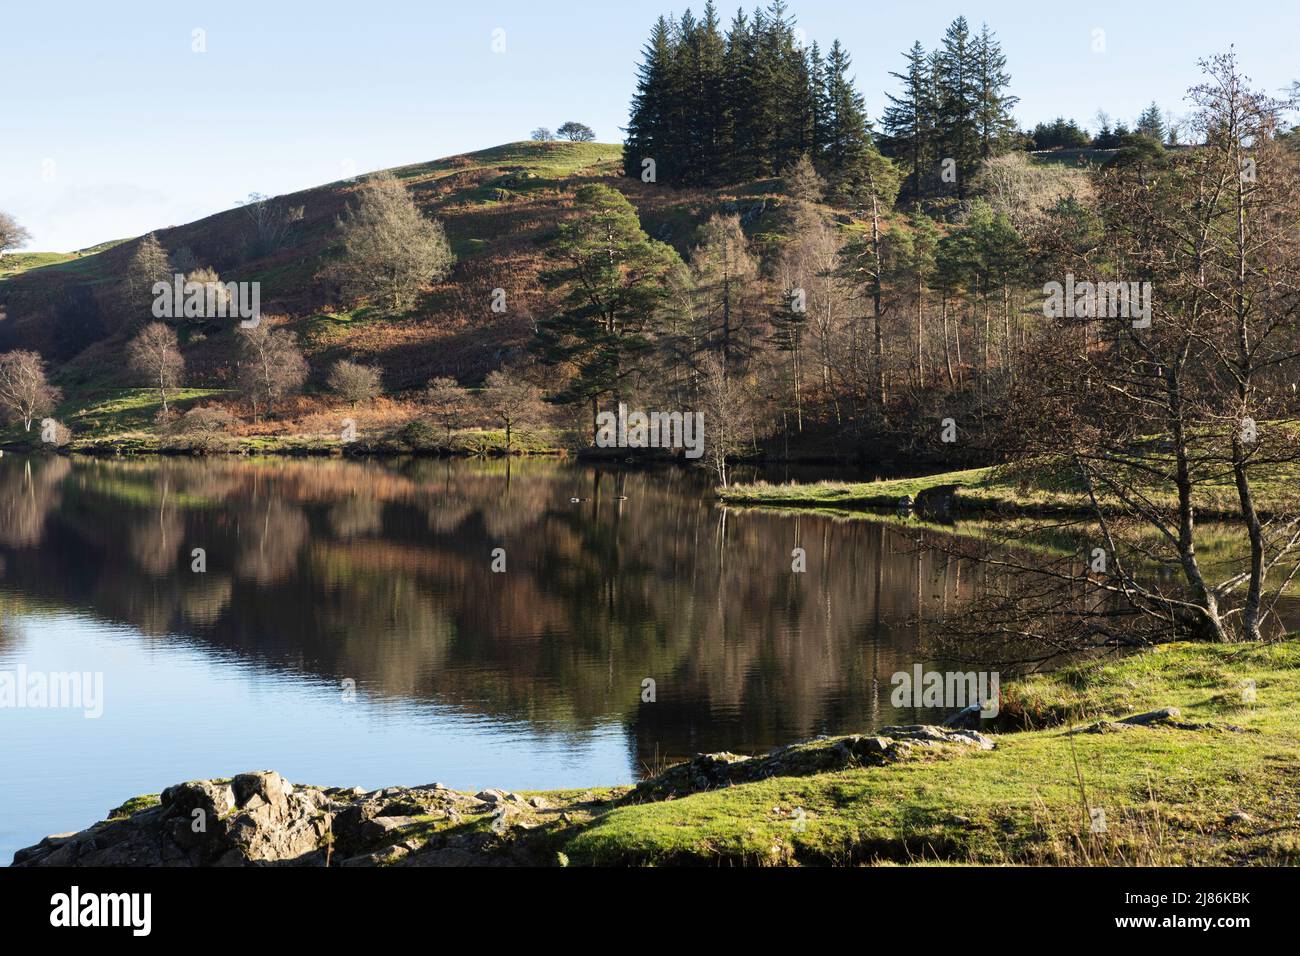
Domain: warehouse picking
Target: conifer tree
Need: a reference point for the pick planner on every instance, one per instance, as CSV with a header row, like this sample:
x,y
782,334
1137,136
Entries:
x,y
613,279
909,121
993,105
648,125
958,128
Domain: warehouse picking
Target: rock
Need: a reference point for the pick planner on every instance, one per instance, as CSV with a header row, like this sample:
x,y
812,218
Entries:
x,y
256,818
968,718
1167,717
1162,715
260,819
930,734
892,744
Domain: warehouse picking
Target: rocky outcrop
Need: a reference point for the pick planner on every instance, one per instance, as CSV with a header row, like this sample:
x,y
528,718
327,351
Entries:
x,y
890,745
1169,717
260,819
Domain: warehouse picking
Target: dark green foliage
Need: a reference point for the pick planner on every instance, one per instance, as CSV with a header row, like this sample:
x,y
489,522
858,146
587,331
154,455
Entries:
x,y
1060,134
1151,124
713,108
953,106
614,279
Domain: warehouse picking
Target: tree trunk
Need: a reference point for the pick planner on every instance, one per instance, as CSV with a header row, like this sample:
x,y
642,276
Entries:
x,y
920,331
947,346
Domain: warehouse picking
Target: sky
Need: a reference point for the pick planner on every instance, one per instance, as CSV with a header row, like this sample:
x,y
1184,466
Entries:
x,y
113,123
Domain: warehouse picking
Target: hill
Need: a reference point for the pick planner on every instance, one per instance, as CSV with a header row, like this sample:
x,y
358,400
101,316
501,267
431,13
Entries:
x,y
498,206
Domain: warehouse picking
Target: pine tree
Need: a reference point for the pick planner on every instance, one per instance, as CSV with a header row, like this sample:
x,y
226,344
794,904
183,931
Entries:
x,y
712,109
909,120
817,91
993,105
739,99
648,125
958,128
854,168
613,278
1151,124
709,99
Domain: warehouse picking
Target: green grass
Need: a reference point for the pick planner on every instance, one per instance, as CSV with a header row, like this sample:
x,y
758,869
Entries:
x,y
871,494
1042,490
122,415
545,161
14,263
124,419
1167,794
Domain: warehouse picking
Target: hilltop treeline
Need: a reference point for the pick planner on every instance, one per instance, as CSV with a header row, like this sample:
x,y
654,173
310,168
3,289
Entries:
x,y
714,106
953,105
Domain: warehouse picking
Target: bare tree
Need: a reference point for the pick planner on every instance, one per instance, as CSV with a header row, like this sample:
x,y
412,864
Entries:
x,y
389,249
216,295
724,275
270,222
155,354
448,403
12,235
25,394
149,265
511,402
270,366
727,404
1022,190
1169,396
354,382
542,135
205,428
801,181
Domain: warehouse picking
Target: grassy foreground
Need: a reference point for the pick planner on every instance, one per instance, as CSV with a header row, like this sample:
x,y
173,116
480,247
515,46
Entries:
x,y
1212,783
1207,794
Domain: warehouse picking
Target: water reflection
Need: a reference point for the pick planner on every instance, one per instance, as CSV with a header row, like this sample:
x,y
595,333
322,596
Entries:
x,y
321,571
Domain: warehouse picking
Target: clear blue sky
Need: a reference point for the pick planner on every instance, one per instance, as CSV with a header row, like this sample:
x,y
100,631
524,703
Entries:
x,y
142,132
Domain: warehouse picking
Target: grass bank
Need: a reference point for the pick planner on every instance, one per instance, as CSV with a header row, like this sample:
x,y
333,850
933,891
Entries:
x,y
121,421
1190,791
1003,490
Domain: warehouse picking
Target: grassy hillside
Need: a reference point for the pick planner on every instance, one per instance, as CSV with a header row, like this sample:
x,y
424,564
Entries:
x,y
498,206
15,263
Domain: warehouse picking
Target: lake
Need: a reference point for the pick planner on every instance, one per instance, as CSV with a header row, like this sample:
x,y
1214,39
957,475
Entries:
x,y
347,626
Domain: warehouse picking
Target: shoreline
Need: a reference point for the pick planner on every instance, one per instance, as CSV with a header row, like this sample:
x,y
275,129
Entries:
x,y
1151,740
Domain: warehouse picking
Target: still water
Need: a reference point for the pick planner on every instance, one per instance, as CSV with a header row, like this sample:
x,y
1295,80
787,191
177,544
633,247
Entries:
x,y
349,628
